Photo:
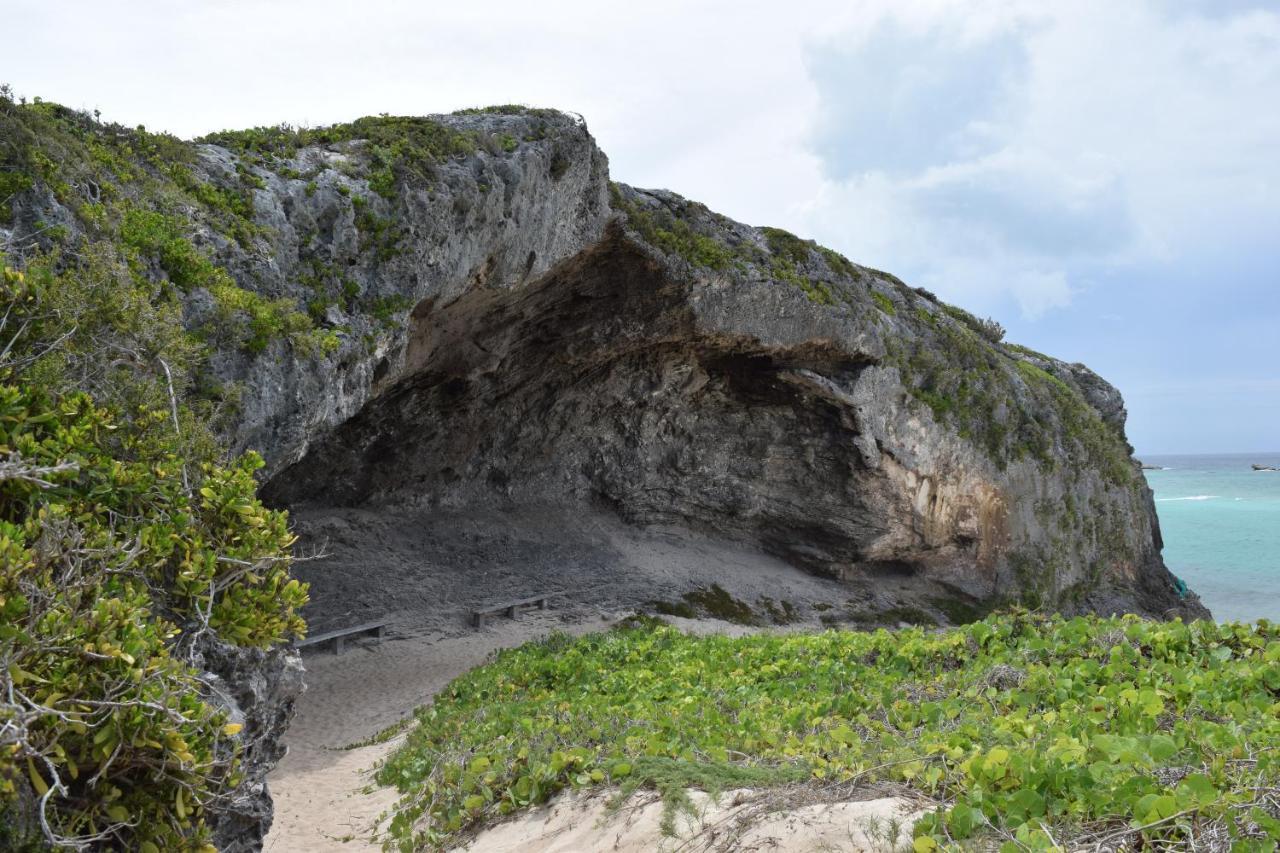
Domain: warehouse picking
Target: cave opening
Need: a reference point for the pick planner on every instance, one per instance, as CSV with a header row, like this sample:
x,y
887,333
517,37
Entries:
x,y
561,434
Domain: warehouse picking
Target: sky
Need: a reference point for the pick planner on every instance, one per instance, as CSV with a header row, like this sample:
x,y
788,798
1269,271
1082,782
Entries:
x,y
1103,178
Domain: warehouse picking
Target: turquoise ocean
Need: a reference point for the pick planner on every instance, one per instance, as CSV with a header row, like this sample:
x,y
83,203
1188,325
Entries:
x,y
1221,525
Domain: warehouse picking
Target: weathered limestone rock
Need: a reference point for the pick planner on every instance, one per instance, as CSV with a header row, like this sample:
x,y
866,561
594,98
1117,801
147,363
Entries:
x,y
683,369
259,689
514,331
489,220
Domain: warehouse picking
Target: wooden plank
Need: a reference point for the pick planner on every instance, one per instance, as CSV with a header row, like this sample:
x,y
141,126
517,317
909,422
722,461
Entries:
x,y
378,627
540,600
341,632
510,608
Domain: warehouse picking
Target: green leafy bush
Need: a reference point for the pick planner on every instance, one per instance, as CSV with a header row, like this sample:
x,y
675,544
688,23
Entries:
x,y
251,320
123,548
11,183
1019,727
147,195
988,328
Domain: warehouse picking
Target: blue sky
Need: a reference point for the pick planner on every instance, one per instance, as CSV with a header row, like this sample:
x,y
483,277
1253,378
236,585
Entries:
x,y
1102,177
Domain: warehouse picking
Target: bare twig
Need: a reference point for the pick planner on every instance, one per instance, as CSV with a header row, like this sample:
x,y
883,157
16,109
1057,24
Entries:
x,y
173,410
16,468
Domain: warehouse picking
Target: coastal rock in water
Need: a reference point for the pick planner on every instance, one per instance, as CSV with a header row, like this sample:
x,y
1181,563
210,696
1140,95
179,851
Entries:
x,y
1258,467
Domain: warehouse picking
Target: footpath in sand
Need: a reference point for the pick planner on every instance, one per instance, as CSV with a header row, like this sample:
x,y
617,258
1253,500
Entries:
x,y
325,799
320,788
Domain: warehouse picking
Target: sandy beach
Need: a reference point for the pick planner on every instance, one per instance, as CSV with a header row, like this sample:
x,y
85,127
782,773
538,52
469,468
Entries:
x,y
324,797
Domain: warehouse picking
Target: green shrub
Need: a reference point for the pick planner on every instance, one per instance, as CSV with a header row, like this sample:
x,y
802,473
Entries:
x,y
246,317
674,234
500,109
672,231
392,148
159,236
988,328
386,308
106,557
11,184
122,543
840,265
787,245
378,234
884,303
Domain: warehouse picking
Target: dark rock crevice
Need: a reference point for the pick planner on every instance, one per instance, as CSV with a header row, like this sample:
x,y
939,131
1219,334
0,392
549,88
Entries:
x,y
595,384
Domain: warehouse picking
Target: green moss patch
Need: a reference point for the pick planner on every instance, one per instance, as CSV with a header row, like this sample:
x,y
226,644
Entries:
x,y
884,303
786,260
392,142
716,602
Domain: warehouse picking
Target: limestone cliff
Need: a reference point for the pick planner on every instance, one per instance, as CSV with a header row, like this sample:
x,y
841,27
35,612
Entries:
x,y
504,325
462,313
561,339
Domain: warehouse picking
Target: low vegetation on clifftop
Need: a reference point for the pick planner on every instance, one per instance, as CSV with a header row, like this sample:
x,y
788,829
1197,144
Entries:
x,y
1027,732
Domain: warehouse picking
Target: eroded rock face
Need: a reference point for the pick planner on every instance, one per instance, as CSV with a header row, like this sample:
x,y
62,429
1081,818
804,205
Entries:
x,y
564,341
258,688
556,339
743,407
493,219
510,330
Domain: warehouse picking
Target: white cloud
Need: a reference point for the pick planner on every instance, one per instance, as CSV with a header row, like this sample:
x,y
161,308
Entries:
x,y
1107,134
900,99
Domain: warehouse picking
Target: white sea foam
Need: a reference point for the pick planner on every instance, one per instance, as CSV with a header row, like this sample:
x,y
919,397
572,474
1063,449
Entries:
x,y
1192,498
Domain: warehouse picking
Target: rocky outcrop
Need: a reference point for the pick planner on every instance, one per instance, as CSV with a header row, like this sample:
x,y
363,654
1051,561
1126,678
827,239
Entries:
x,y
524,332
503,328
494,219
258,688
564,343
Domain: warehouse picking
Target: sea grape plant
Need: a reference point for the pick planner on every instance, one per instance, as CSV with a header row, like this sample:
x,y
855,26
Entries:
x,y
121,557
1026,731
